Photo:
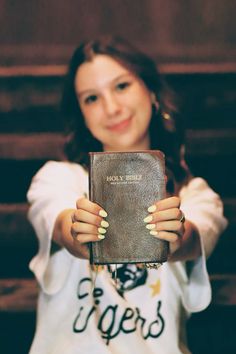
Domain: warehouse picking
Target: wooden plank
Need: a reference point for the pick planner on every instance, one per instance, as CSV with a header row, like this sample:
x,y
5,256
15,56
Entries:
x,y
214,92
34,70
34,119
223,289
32,102
26,92
15,225
15,229
210,36
18,242
210,142
16,176
219,171
18,295
165,68
50,145
31,146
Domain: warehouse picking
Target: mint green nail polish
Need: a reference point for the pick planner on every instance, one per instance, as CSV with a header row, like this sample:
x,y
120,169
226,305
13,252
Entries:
x,y
104,223
148,218
101,237
102,213
101,230
150,226
152,208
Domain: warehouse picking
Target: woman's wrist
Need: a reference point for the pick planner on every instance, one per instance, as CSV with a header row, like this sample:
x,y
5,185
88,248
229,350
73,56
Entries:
x,y
62,229
188,247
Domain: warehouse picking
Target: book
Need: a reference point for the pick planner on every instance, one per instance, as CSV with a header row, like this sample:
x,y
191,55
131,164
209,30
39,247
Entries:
x,y
125,184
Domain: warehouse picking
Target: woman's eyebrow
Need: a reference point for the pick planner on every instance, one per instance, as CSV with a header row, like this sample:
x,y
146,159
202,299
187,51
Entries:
x,y
127,74
113,80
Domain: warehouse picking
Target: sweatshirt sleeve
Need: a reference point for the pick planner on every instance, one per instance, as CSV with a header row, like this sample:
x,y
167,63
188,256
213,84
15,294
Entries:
x,y
55,187
204,208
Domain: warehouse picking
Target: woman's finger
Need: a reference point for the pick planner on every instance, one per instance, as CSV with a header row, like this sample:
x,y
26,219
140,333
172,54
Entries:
x,y
168,214
85,238
173,226
81,215
87,205
166,235
83,228
167,203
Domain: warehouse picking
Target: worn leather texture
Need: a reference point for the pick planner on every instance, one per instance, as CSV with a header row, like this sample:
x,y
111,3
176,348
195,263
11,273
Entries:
x,y
125,184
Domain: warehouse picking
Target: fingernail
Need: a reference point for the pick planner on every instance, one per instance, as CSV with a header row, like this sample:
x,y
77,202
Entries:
x,y
101,230
148,218
102,213
104,223
153,233
152,208
101,237
150,226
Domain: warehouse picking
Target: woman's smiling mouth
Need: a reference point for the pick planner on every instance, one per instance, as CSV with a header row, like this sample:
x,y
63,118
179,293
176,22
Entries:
x,y
120,126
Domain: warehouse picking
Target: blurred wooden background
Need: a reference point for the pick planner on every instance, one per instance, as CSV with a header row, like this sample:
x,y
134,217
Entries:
x,y
194,43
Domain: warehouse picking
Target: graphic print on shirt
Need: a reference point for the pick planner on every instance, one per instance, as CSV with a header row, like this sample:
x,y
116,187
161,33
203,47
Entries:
x,y
114,319
128,277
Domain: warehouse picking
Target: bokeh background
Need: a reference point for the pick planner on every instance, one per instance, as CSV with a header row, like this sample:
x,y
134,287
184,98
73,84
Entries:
x,y
194,45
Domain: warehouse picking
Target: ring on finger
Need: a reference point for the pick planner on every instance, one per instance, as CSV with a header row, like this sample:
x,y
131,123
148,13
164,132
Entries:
x,y
74,235
182,219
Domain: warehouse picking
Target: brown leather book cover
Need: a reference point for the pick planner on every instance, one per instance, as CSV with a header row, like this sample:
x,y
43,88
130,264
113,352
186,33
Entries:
x,y
125,184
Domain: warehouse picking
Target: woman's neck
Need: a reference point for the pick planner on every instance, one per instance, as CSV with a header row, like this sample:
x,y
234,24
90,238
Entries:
x,y
139,146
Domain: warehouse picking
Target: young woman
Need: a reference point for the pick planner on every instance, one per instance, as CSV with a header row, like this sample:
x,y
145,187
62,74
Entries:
x,y
115,100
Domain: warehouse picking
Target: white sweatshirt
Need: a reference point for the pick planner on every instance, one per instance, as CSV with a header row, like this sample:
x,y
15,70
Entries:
x,y
80,314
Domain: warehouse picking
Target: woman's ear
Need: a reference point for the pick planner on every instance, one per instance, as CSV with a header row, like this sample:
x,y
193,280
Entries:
x,y
154,101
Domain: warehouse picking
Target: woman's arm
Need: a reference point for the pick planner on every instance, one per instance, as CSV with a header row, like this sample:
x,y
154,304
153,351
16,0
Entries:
x,y
188,247
74,228
204,223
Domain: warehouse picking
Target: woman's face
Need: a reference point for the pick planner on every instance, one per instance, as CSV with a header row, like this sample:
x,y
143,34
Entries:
x,y
116,105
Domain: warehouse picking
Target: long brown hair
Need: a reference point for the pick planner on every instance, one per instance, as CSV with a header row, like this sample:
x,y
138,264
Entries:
x,y
166,133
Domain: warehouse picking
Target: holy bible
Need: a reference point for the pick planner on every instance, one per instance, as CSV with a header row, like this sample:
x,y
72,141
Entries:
x,y
125,184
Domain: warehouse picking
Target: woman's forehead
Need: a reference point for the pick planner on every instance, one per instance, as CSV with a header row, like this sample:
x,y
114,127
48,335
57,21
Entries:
x,y
100,71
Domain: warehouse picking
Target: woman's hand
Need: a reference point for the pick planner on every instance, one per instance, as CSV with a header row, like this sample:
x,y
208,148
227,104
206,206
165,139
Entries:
x,y
76,227
166,221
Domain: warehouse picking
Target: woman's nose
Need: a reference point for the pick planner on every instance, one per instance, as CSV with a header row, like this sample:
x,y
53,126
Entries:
x,y
111,105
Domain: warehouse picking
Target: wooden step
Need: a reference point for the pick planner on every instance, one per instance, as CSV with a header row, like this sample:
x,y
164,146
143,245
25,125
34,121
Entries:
x,y
16,176
15,228
210,142
207,143
223,289
18,242
40,146
20,295
13,221
20,93
209,154
207,100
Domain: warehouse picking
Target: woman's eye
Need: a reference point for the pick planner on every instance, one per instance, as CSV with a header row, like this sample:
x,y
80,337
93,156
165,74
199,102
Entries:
x,y
90,99
122,86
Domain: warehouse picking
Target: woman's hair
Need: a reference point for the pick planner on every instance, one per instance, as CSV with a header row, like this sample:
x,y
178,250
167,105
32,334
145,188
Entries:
x,y
165,129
